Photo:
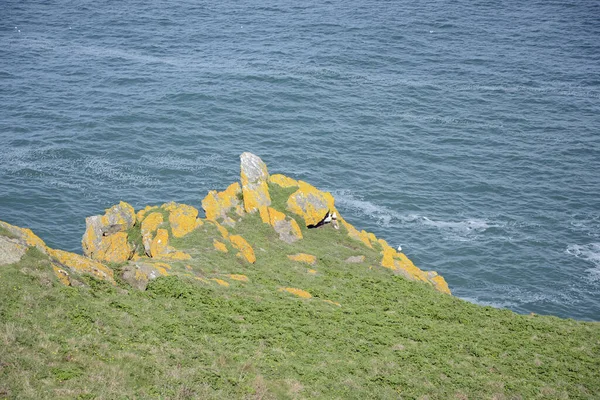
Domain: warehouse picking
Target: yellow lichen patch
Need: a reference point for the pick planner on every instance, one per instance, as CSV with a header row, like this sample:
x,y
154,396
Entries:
x,y
245,250
403,263
312,271
298,292
440,284
162,265
170,206
363,236
182,219
303,257
388,255
30,238
199,222
62,275
237,277
286,227
120,214
256,195
220,246
160,243
310,203
142,213
175,255
188,267
114,248
222,230
335,303
372,237
283,180
151,222
216,204
220,282
81,264
201,279
161,270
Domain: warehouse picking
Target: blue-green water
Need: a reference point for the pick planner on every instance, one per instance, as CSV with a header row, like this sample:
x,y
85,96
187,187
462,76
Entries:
x,y
468,132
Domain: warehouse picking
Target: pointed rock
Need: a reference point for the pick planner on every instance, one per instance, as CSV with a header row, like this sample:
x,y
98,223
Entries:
x,y
254,176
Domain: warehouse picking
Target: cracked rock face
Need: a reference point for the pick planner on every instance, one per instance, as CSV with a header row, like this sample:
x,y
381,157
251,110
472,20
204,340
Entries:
x,y
254,176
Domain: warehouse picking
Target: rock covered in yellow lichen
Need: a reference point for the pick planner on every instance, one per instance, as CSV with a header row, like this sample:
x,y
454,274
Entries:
x,y
217,205
160,243
303,257
183,219
138,274
254,176
221,282
105,238
245,250
220,246
142,213
399,263
298,292
81,264
114,248
24,236
362,236
310,203
148,227
283,180
286,227
159,248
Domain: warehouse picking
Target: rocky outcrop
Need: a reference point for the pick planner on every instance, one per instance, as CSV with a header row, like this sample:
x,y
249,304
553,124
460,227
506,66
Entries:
x,y
254,177
105,237
310,203
182,218
81,264
286,227
219,205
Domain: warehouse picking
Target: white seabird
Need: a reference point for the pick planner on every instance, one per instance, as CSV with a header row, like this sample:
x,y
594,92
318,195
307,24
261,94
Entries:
x,y
399,248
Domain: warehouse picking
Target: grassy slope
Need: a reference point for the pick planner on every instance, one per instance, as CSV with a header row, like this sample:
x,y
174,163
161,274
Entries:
x,y
183,338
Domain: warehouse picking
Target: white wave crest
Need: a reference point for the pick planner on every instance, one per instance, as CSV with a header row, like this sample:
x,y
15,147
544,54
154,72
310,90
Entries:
x,y
588,252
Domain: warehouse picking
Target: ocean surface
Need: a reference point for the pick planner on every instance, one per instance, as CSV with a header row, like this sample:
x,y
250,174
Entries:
x,y
468,132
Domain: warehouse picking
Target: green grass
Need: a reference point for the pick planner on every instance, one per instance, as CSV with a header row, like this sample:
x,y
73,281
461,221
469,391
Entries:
x,y
186,339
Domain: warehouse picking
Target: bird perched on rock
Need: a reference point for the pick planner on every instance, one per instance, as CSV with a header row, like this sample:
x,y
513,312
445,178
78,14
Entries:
x,y
399,248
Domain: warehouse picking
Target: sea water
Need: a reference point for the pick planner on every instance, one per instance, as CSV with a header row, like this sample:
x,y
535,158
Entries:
x,y
468,132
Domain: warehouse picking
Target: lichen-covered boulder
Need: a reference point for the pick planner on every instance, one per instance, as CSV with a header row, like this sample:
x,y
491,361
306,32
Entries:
x,y
183,219
159,248
355,234
286,227
11,251
217,205
81,264
105,237
245,251
148,227
254,176
310,203
23,236
400,264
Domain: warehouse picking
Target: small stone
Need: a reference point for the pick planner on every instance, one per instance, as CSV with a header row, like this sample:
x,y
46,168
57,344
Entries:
x,y
303,257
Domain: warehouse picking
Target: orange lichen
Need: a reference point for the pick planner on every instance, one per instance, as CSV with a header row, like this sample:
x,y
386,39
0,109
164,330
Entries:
x,y
217,204
283,180
363,236
220,282
182,219
286,227
245,250
62,275
237,277
222,230
312,271
142,213
310,203
335,303
440,283
151,222
81,264
175,255
220,246
114,248
298,292
120,214
303,257
160,243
